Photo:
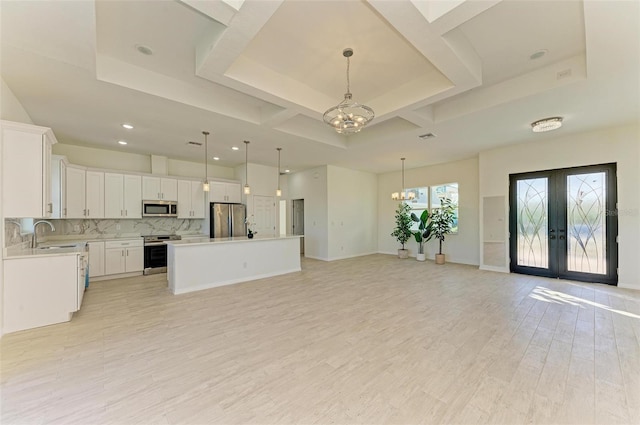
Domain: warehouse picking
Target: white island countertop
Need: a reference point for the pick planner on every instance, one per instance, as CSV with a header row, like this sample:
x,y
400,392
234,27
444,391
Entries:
x,y
207,263
234,239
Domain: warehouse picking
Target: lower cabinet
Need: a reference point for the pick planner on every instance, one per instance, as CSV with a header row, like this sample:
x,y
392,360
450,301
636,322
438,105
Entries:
x,y
96,259
41,290
123,256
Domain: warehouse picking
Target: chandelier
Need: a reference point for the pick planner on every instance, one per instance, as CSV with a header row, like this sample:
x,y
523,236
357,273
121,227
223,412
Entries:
x,y
348,117
402,196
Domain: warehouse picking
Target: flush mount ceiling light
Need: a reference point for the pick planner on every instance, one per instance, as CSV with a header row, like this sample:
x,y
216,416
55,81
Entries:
x,y
205,183
247,189
278,191
235,148
546,124
348,117
402,196
215,158
127,126
287,171
122,142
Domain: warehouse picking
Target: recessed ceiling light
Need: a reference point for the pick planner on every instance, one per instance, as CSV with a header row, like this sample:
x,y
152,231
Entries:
x,y
215,158
546,124
235,148
145,50
122,142
287,171
127,126
538,54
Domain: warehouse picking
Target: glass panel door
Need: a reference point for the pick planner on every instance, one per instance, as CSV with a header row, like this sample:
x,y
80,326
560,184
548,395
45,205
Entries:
x,y
561,223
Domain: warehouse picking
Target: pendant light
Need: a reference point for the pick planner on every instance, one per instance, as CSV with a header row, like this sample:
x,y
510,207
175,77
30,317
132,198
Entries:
x,y
348,117
278,191
402,196
205,183
247,189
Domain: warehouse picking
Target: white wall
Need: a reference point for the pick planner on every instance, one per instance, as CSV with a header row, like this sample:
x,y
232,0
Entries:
x,y
617,144
10,107
459,248
311,185
352,213
127,161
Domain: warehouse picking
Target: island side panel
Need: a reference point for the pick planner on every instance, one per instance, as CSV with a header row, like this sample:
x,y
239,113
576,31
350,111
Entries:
x,y
202,266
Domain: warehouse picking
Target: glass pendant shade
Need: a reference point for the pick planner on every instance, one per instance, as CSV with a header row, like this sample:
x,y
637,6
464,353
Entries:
x,y
205,183
348,117
247,188
278,191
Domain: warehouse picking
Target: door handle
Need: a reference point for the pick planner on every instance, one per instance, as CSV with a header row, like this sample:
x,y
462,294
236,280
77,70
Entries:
x,y
552,237
561,237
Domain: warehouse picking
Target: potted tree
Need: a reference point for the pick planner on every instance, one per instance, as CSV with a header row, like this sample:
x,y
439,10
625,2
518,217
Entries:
x,y
441,222
424,232
402,231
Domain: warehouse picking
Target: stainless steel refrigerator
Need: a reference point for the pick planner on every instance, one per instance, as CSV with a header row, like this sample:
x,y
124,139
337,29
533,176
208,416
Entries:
x,y
227,220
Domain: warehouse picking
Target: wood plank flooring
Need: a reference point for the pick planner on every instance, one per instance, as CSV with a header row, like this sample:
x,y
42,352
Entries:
x,y
369,340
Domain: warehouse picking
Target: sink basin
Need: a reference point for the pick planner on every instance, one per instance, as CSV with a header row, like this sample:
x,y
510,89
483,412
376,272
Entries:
x,y
56,247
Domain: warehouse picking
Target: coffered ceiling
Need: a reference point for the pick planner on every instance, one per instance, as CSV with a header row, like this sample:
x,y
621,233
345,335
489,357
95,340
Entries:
x,y
266,71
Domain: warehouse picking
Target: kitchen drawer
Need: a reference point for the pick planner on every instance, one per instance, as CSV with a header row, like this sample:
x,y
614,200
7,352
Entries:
x,y
123,244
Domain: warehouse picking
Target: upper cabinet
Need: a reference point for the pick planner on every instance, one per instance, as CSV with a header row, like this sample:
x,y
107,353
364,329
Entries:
x,y
159,189
190,199
225,192
83,193
122,195
26,175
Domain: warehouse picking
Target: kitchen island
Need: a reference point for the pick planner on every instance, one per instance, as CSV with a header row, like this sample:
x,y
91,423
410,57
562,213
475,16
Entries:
x,y
202,264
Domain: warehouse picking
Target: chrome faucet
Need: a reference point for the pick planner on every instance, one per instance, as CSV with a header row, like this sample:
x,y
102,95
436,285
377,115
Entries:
x,y
34,238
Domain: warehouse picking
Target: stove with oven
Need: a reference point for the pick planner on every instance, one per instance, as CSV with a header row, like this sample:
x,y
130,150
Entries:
x,y
155,253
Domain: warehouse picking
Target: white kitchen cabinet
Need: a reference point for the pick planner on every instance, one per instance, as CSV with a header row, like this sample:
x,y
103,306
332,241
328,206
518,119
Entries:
x,y
26,170
94,186
123,196
96,259
159,188
190,199
83,195
123,256
40,291
74,193
225,192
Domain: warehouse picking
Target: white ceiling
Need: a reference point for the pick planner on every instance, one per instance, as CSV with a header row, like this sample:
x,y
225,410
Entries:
x,y
267,71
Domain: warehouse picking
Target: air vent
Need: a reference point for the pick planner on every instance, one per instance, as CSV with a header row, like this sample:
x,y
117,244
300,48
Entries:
x,y
427,136
194,144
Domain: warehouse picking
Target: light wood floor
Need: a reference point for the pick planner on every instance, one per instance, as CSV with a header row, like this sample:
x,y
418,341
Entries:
x,y
367,340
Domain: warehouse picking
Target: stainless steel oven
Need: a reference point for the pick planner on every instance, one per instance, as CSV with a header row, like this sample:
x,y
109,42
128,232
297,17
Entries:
x,y
159,209
155,253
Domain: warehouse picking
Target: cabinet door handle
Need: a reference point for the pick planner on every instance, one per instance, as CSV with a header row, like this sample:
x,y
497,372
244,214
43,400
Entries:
x,y
158,195
127,252
88,213
84,212
121,213
126,213
65,212
122,252
50,207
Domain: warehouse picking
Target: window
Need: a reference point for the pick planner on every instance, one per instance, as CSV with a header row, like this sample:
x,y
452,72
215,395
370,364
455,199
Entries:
x,y
429,198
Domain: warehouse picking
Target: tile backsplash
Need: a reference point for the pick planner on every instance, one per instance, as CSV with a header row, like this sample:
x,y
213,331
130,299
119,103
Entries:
x,y
85,229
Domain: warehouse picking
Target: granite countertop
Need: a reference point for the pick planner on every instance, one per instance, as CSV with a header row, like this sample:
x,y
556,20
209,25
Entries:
x,y
235,239
45,250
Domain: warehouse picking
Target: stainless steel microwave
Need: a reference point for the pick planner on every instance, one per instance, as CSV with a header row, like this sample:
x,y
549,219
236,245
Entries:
x,y
159,209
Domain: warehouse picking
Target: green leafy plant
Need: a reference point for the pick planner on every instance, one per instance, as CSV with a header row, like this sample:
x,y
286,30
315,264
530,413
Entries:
x,y
442,220
425,229
402,231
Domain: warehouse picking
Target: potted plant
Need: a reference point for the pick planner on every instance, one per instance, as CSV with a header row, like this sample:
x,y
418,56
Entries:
x,y
424,232
250,225
402,231
441,222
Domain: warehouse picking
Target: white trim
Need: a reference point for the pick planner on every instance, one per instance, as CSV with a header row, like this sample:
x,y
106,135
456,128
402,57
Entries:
x,y
344,257
494,269
113,276
628,286
315,258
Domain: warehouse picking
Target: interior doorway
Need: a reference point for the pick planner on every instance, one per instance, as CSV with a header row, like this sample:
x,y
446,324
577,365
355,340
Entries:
x,y
563,224
264,214
297,220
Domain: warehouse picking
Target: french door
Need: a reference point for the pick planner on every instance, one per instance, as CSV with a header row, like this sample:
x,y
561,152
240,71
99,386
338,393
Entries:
x,y
563,224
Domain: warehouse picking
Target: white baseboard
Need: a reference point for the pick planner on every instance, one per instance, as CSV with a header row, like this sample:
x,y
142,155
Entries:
x,y
315,258
629,286
495,269
344,257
